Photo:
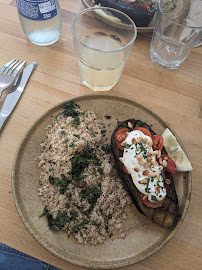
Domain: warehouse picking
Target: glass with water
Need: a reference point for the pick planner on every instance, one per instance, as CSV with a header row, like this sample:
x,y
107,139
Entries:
x,y
103,38
178,28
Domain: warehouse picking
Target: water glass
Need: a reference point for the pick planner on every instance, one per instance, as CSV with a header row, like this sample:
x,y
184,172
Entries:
x,y
178,28
103,38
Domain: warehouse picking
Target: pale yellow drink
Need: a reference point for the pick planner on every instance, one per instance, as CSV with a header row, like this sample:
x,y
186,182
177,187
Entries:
x,y
103,38
100,72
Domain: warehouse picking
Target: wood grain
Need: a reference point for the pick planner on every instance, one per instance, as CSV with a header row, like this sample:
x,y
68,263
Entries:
x,y
175,95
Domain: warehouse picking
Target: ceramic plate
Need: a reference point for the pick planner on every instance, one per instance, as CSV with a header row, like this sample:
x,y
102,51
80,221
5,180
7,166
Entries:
x,y
149,28
143,238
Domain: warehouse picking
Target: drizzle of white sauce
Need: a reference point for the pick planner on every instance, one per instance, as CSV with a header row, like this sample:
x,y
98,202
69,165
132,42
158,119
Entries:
x,y
130,154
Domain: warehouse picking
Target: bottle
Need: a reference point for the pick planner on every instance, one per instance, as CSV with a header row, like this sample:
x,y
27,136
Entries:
x,y
41,20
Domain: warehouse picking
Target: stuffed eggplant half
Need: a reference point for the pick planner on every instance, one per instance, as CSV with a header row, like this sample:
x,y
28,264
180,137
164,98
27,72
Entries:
x,y
146,171
140,11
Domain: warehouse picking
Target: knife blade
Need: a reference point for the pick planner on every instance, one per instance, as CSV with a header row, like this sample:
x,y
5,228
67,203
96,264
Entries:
x,y
15,93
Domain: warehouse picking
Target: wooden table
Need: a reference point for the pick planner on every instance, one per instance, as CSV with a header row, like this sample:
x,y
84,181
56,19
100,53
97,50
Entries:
x,y
174,95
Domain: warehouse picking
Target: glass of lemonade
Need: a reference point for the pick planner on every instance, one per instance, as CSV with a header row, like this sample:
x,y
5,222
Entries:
x,y
103,38
178,28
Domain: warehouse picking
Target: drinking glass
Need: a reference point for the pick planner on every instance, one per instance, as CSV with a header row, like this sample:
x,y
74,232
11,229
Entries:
x,y
178,28
103,38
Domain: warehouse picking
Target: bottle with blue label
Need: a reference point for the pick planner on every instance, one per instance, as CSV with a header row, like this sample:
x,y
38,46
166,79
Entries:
x,y
41,20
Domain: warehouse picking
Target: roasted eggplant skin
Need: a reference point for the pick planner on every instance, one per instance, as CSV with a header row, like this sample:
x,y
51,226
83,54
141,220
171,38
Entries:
x,y
139,15
165,216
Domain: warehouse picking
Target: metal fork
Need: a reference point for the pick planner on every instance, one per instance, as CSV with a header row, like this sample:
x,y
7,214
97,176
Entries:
x,y
9,72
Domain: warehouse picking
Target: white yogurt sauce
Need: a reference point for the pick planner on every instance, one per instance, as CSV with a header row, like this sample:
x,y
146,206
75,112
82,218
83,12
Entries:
x,y
130,154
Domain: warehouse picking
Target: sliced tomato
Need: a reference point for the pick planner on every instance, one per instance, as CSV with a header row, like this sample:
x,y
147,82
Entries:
x,y
120,136
157,142
151,204
146,6
125,170
144,130
171,167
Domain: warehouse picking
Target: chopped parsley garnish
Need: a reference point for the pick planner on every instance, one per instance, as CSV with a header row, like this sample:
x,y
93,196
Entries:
x,y
108,117
106,148
45,212
62,182
100,170
95,224
127,145
147,189
72,144
80,162
154,199
69,196
70,110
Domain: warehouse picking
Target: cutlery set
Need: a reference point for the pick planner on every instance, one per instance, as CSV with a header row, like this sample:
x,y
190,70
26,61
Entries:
x,y
15,75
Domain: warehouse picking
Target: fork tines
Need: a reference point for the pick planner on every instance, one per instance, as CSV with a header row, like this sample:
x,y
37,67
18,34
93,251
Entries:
x,y
12,68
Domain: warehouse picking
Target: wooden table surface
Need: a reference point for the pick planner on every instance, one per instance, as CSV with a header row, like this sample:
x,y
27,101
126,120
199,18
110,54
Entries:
x,y
174,95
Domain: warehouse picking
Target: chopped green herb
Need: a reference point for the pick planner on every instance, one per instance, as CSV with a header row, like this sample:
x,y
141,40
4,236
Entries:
x,y
69,196
108,117
106,148
96,224
147,189
75,122
72,144
127,145
100,170
40,183
154,199
59,222
51,169
77,136
45,212
56,181
75,229
65,140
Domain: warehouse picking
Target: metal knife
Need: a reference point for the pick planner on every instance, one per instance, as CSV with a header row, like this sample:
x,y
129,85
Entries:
x,y
15,93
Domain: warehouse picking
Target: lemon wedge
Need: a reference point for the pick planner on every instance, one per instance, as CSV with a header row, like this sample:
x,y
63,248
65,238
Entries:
x,y
175,151
107,15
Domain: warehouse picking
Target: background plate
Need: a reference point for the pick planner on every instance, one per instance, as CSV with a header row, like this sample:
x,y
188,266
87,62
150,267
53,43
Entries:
x,y
149,28
143,238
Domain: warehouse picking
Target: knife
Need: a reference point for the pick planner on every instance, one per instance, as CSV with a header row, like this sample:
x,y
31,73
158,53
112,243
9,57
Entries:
x,y
15,93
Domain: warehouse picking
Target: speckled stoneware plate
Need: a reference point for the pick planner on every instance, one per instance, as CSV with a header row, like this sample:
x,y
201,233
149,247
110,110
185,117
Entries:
x,y
149,28
143,238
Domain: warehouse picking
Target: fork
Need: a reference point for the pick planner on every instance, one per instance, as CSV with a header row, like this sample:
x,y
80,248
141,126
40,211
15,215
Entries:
x,y
9,72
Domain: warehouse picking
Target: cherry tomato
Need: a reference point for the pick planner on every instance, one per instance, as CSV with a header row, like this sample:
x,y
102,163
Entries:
x,y
171,167
146,6
120,136
151,204
144,130
125,170
157,142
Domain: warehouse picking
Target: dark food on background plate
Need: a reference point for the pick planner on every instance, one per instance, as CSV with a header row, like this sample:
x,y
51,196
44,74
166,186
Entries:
x,y
140,11
149,202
